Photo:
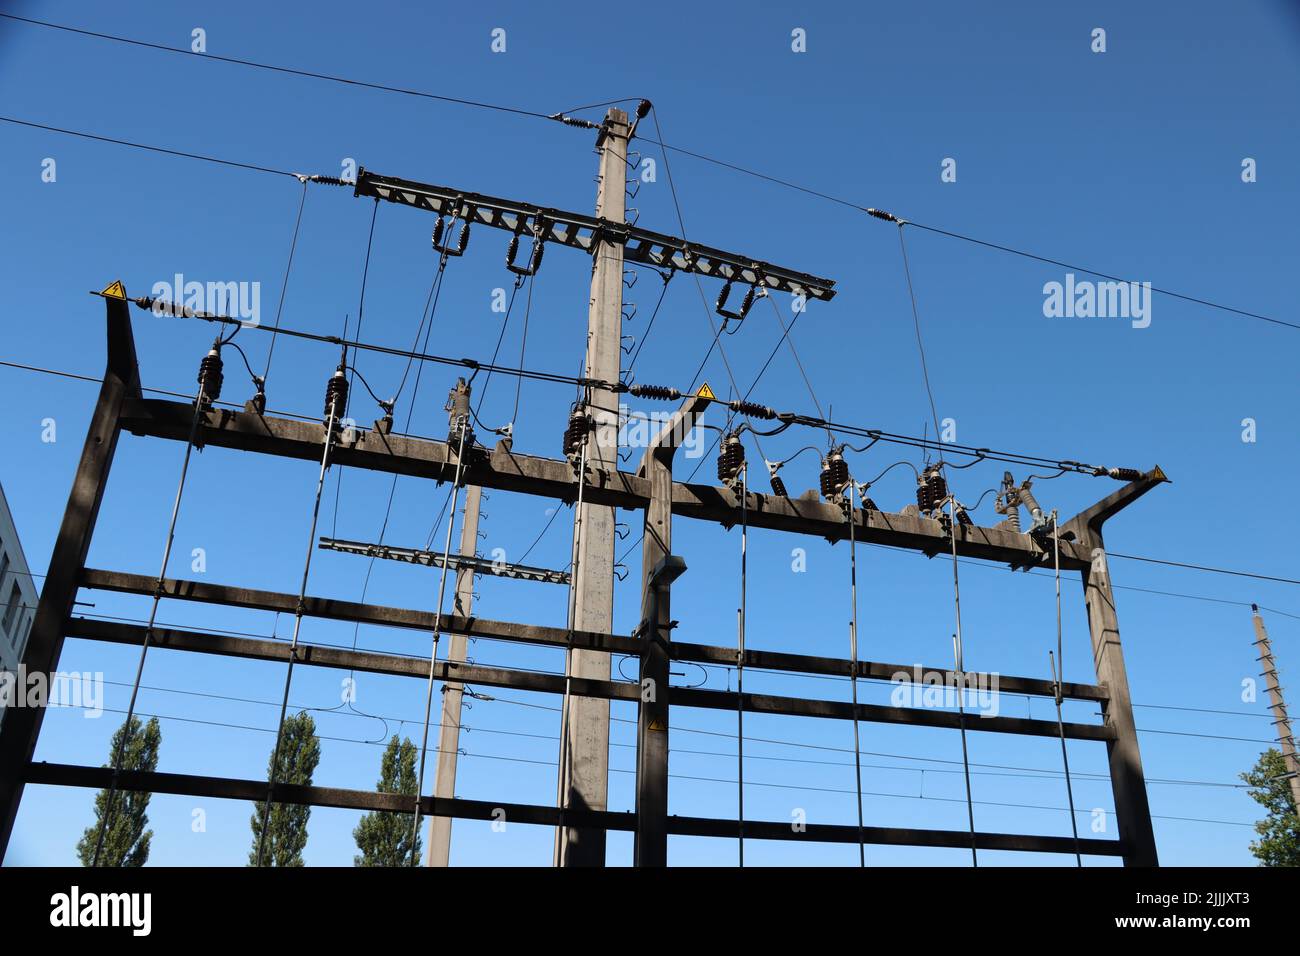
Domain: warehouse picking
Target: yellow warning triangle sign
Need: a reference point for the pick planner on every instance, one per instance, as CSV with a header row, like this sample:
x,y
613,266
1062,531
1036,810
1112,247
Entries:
x,y
115,291
706,392
657,724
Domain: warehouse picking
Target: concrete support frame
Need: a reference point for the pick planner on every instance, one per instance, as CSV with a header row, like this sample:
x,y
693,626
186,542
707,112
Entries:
x,y
659,568
1126,779
121,407
22,725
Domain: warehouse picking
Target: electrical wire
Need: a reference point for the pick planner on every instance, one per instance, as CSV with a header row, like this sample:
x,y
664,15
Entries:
x,y
337,405
437,636
153,149
853,668
127,729
207,56
284,284
1058,678
470,364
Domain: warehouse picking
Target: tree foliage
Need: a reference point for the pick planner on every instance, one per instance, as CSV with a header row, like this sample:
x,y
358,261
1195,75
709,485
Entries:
x,y
126,837
286,834
1279,831
383,837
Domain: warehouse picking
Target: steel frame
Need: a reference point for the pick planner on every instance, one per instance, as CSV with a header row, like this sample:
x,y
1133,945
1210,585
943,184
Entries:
x,y
121,406
579,231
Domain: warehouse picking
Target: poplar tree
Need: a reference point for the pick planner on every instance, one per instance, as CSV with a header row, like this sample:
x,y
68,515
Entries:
x,y
286,834
1279,831
126,837
384,837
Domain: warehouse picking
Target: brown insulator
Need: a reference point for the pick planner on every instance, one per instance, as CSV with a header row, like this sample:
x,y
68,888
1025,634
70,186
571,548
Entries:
x,y
835,475
579,426
211,377
336,395
731,458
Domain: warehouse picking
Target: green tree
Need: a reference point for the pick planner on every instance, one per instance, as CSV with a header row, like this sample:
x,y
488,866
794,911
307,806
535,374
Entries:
x,y
286,834
126,839
1279,831
384,837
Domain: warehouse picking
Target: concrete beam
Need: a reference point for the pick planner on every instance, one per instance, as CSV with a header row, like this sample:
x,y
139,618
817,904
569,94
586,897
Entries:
x,y
526,474
69,775
329,609
172,638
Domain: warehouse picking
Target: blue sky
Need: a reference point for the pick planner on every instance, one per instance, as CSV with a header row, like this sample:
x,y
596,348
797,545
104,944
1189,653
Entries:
x,y
1128,161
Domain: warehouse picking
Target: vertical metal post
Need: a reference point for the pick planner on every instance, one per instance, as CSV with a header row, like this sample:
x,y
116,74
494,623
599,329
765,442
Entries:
x,y
22,725
587,772
453,693
1126,779
1277,704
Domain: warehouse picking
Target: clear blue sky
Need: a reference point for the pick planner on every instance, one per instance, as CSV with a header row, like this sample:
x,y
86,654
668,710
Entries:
x,y
1127,161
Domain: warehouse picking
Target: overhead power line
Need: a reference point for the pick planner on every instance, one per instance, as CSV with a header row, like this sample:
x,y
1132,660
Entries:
x,y
694,154
1110,554
153,149
1201,567
310,74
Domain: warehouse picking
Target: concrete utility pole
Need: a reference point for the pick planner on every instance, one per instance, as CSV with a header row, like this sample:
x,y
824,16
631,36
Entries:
x,y
588,719
1277,704
454,693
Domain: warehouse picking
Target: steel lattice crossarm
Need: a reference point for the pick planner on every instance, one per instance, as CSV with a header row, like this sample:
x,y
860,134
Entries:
x,y
454,562
584,232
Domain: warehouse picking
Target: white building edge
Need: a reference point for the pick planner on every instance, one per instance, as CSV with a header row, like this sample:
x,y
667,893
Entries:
x,y
18,593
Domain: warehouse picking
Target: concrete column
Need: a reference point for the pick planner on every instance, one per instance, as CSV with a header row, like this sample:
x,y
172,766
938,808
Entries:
x,y
1126,779
1286,742
588,720
439,850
